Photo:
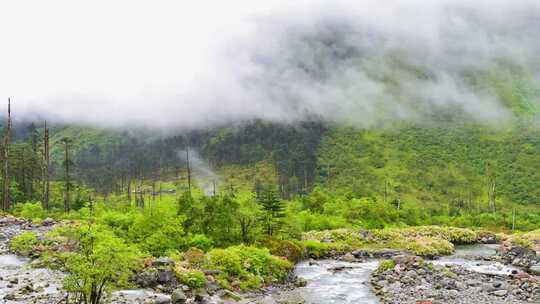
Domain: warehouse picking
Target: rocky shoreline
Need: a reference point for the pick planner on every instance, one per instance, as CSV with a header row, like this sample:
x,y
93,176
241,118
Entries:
x,y
408,280
411,279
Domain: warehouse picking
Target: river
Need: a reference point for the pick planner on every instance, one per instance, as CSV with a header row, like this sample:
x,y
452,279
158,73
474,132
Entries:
x,y
351,284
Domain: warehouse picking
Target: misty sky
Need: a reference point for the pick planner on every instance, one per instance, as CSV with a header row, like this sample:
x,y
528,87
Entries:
x,y
177,64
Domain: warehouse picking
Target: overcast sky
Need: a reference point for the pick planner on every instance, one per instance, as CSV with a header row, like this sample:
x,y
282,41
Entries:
x,y
177,64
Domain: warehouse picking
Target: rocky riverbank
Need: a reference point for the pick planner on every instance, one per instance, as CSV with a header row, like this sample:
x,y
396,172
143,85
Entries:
x,y
22,281
409,279
19,281
343,278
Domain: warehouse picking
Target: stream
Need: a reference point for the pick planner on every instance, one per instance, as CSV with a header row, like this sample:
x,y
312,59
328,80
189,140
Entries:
x,y
325,285
468,257
328,281
351,284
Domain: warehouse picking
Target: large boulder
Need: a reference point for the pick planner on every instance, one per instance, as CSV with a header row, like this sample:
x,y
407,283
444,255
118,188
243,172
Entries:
x,y
163,262
166,276
147,278
178,297
535,269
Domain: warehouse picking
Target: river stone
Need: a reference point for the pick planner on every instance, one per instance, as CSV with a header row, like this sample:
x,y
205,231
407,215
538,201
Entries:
x,y
500,293
535,269
348,258
178,297
162,299
48,222
300,282
290,298
147,278
163,262
166,276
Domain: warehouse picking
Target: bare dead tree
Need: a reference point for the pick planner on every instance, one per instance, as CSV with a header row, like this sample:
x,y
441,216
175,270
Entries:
x,y
188,170
67,162
491,185
46,164
7,139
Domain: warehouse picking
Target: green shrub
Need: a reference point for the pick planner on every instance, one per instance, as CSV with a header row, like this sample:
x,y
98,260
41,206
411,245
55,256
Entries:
x,y
283,248
194,257
102,261
33,211
243,263
385,265
200,241
24,243
316,249
430,247
192,278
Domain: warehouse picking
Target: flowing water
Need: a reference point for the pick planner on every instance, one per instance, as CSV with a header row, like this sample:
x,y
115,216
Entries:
x,y
470,257
328,285
351,283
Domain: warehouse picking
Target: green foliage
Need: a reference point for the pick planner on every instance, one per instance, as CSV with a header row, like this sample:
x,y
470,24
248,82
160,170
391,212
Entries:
x,y
273,210
24,243
192,278
423,241
101,261
283,248
316,249
385,265
199,241
529,240
250,265
31,210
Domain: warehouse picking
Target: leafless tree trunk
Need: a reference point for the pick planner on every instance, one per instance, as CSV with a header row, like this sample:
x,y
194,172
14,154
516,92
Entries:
x,y
46,163
7,138
188,170
129,189
66,142
491,184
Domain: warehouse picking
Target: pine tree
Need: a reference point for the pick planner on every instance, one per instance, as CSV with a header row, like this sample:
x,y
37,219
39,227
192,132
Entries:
x,y
273,210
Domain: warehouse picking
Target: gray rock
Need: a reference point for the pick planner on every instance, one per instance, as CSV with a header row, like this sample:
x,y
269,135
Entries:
x,y
147,278
473,282
163,262
162,299
300,282
348,258
290,298
166,276
535,269
178,297
500,293
48,222
452,293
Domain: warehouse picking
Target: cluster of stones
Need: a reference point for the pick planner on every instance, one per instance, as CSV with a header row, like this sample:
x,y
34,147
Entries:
x,y
412,280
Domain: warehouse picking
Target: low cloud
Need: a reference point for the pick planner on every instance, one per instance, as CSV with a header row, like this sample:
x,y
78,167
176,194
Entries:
x,y
165,65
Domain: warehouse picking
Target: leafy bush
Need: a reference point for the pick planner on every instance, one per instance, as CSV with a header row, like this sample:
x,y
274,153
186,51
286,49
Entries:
x,y
316,249
33,211
192,278
283,248
429,246
529,240
24,243
385,265
101,261
250,265
194,257
200,241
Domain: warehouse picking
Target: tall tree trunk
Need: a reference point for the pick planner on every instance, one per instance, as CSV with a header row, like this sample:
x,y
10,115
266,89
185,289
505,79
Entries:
x,y
46,163
67,141
188,170
129,189
7,139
